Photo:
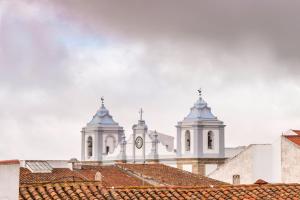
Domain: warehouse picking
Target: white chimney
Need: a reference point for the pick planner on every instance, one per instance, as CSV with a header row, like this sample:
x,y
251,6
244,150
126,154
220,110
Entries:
x,y
9,179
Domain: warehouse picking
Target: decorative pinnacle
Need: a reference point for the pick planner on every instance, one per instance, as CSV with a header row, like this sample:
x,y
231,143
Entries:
x,y
141,114
200,92
102,101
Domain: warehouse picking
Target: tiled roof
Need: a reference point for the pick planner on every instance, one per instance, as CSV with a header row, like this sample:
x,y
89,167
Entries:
x,y
297,131
9,162
169,175
111,176
293,138
95,191
57,174
121,175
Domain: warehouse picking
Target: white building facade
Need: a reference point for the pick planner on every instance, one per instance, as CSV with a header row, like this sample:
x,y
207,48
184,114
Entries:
x,y
199,145
9,179
278,162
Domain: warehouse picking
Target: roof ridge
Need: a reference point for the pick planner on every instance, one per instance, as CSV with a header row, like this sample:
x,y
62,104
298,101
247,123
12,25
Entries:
x,y
291,135
92,191
58,182
158,187
9,162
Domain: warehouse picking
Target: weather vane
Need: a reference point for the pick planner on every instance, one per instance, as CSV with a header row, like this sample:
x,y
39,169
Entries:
x,y
200,92
102,101
141,114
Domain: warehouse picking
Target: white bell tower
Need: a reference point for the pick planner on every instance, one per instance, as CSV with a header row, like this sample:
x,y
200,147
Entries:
x,y
100,136
200,134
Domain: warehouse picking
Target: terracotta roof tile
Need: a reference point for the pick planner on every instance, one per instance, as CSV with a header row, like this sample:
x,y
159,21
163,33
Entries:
x,y
111,176
121,175
297,131
293,138
9,162
57,174
94,190
260,182
169,175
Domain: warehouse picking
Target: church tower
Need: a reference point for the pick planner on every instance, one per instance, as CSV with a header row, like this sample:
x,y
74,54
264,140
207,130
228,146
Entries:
x,y
200,136
100,136
139,139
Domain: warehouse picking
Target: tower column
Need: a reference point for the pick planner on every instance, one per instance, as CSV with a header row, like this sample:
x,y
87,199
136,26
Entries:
x,y
178,151
154,149
123,149
83,145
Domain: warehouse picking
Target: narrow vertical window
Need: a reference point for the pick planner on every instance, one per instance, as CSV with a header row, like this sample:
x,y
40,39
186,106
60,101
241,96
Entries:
x,y
210,140
90,146
236,179
187,140
110,144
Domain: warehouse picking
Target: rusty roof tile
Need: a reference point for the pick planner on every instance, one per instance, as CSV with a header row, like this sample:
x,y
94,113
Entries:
x,y
169,175
293,138
9,162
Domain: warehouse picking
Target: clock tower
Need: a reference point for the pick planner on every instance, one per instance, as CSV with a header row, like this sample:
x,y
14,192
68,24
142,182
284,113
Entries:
x,y
139,133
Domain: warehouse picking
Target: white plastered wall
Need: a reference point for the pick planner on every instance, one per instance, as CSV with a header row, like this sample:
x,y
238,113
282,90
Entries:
x,y
247,164
262,162
187,167
276,161
9,181
290,156
210,168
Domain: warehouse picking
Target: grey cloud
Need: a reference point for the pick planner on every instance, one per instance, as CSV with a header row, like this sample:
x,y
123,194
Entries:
x,y
222,23
243,53
31,55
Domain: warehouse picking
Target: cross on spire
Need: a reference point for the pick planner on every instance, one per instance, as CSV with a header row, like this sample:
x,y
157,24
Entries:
x,y
141,114
102,101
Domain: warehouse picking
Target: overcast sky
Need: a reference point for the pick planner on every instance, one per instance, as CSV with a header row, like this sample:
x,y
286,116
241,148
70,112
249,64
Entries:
x,y
57,58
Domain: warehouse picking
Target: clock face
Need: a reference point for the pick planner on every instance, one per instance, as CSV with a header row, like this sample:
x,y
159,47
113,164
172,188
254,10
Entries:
x,y
139,142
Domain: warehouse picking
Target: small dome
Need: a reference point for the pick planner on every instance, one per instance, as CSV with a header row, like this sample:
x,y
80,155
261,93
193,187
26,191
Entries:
x,y
200,111
102,117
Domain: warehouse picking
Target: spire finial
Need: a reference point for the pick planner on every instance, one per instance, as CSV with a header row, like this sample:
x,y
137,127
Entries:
x,y
102,101
200,92
141,114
